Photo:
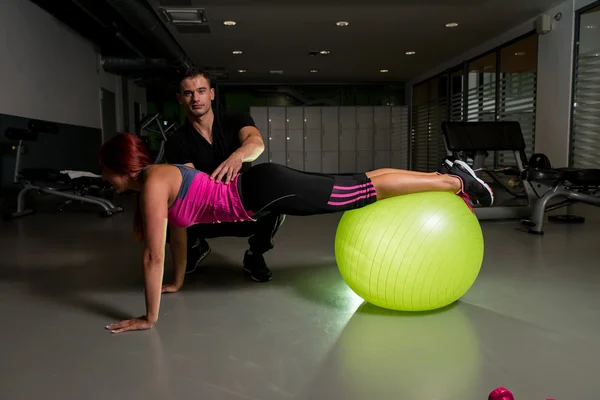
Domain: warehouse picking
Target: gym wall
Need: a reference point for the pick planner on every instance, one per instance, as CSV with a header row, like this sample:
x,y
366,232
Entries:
x,y
50,72
554,78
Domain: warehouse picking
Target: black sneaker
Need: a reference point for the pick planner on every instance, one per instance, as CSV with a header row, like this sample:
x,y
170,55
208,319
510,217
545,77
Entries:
x,y
474,187
446,166
257,267
196,255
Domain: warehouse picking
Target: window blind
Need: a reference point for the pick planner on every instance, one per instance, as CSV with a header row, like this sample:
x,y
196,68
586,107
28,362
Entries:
x,y
518,92
585,141
428,113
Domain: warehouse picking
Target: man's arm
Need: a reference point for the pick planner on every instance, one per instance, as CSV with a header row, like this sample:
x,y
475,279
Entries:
x,y
251,146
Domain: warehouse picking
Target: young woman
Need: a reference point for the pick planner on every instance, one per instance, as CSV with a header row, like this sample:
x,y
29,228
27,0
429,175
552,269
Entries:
x,y
182,196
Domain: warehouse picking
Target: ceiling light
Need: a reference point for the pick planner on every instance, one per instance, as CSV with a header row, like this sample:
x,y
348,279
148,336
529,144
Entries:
x,y
276,71
229,23
410,53
237,52
520,53
342,23
384,70
241,70
314,70
324,52
452,25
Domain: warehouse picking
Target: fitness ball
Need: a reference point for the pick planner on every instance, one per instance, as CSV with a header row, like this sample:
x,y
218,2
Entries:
x,y
415,252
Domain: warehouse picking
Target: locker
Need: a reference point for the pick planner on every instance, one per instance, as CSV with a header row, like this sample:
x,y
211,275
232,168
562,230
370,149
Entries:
x,y
348,129
348,162
364,161
331,128
382,128
312,118
382,159
313,160
330,162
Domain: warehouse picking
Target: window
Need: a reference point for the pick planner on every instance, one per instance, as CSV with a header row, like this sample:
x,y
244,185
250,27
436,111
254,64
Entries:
x,y
430,109
585,131
496,86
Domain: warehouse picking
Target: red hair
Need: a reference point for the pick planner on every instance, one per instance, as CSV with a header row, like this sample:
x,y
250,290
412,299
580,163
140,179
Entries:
x,y
124,154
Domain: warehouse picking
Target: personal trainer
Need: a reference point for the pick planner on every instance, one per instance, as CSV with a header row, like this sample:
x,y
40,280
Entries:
x,y
220,145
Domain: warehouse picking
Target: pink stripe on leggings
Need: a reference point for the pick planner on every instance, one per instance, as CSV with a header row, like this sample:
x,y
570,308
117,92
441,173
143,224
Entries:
x,y
343,203
369,190
352,187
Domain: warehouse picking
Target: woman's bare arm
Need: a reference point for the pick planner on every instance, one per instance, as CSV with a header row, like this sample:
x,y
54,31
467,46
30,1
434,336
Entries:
x,y
179,254
154,207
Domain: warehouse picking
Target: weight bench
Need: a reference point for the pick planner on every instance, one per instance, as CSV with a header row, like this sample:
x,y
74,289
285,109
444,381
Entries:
x,y
71,185
544,188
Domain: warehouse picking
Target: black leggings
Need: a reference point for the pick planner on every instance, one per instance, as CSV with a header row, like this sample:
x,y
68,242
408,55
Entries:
x,y
275,188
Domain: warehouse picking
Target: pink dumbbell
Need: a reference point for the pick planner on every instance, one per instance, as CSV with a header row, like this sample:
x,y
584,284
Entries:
x,y
501,394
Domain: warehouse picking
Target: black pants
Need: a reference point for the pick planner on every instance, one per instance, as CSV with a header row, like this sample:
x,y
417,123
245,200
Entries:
x,y
260,234
278,189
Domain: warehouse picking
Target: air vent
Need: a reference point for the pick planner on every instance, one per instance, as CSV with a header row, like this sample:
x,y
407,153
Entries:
x,y
187,20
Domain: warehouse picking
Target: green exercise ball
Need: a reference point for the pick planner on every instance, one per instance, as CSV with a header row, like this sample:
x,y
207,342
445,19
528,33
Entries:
x,y
414,252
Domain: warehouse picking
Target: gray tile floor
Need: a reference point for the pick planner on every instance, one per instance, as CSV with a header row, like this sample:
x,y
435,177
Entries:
x,y
530,322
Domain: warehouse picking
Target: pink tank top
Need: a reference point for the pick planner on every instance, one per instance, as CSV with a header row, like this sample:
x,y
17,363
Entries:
x,y
203,201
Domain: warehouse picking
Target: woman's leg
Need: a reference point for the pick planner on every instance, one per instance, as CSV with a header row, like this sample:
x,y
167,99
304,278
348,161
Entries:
x,y
460,178
399,183
384,171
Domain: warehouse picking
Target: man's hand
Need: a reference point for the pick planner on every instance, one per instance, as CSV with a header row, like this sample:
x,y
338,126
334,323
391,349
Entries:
x,y
228,168
135,324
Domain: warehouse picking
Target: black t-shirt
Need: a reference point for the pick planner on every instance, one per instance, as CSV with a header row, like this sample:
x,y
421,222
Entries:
x,y
187,145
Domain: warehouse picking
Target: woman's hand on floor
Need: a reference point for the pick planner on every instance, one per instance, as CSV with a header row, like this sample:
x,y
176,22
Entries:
x,y
170,288
135,324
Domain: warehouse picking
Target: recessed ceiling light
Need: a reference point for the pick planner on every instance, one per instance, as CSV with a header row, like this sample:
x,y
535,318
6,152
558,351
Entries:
x,y
237,52
591,27
384,70
410,53
451,25
229,23
324,52
342,23
241,70
314,70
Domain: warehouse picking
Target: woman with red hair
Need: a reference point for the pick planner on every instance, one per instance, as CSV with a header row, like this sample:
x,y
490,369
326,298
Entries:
x,y
182,196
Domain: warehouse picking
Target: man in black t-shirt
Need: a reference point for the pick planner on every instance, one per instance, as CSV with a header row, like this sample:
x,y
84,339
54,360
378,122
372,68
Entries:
x,y
222,146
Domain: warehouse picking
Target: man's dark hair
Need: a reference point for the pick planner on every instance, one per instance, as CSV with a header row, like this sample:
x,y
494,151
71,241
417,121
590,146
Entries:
x,y
193,72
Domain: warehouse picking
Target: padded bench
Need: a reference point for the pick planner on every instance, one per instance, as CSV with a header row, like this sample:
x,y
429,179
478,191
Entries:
x,y
78,186
543,185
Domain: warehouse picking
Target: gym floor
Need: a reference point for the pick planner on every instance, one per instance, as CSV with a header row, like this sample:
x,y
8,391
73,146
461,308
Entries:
x,y
530,323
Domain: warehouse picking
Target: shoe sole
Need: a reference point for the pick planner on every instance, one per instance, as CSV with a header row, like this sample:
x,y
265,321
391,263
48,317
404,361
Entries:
x,y
249,272
202,257
466,167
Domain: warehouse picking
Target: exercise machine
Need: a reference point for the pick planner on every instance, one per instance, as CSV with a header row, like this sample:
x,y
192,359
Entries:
x,y
533,186
78,186
153,127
